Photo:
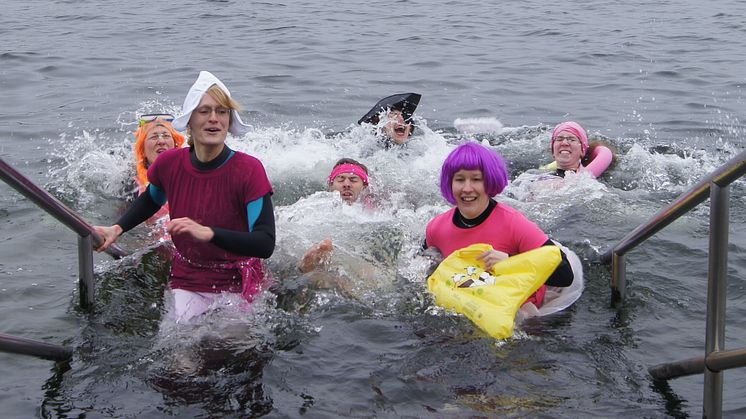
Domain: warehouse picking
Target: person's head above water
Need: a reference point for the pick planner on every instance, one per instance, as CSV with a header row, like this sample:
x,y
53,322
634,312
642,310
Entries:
x,y
209,112
349,177
470,176
154,136
569,145
397,111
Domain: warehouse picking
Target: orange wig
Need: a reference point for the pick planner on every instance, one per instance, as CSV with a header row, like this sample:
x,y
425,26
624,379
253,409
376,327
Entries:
x,y
141,135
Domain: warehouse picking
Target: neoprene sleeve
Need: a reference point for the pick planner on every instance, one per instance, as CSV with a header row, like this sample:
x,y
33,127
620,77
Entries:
x,y
143,207
260,242
563,275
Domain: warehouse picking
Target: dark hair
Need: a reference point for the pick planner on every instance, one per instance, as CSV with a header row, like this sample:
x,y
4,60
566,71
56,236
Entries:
x,y
346,160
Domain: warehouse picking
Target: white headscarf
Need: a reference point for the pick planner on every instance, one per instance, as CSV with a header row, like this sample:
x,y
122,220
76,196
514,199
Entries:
x,y
194,96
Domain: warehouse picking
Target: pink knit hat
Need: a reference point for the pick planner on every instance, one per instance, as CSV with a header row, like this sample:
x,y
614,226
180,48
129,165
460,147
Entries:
x,y
575,129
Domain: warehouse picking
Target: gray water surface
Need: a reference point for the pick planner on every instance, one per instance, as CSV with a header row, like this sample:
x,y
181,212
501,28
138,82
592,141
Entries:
x,y
661,81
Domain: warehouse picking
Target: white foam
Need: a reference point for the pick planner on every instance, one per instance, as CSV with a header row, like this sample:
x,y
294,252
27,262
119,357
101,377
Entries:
x,y
485,125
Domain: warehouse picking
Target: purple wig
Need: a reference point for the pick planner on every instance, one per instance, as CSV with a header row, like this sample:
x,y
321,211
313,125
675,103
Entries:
x,y
473,156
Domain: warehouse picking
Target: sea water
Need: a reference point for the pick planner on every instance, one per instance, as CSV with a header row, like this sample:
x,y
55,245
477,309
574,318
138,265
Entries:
x,y
661,82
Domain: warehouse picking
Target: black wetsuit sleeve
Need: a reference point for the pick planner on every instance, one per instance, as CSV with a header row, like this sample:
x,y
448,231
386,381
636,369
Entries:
x,y
260,242
142,208
563,275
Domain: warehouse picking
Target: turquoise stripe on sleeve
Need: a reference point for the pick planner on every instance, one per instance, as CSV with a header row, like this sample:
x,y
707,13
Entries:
x,y
157,194
253,209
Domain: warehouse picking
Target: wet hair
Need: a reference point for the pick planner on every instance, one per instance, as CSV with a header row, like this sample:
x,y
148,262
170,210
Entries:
x,y
223,100
474,156
346,160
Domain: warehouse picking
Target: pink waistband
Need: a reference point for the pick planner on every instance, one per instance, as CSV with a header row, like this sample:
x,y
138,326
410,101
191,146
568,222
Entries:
x,y
251,269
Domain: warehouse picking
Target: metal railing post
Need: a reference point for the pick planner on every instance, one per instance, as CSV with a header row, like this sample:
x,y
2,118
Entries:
x,y
716,296
85,272
618,278
43,350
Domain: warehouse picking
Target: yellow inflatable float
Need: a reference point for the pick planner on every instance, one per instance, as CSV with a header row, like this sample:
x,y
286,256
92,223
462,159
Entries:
x,y
491,299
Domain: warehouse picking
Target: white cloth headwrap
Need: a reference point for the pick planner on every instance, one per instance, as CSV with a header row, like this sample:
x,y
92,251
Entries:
x,y
194,96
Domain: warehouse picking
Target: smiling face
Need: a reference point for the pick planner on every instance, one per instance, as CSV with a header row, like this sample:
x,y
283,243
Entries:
x,y
159,139
348,185
567,151
209,123
468,190
396,129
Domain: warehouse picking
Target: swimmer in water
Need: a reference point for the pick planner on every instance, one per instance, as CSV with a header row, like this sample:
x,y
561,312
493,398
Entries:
x,y
572,152
471,175
397,110
350,178
154,135
222,219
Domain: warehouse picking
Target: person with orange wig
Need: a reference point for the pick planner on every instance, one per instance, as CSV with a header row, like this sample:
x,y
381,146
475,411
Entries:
x,y
154,136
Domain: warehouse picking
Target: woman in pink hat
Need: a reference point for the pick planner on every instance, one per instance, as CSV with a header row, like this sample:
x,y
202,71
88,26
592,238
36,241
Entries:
x,y
222,220
572,152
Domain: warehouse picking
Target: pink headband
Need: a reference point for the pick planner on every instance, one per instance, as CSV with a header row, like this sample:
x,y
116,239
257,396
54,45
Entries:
x,y
575,129
348,168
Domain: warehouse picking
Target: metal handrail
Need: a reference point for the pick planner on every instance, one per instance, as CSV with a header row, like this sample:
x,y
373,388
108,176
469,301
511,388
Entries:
x,y
723,176
716,359
87,237
24,346
52,205
716,362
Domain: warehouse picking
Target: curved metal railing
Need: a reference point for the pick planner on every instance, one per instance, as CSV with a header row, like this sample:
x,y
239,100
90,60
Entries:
x,y
716,186
87,238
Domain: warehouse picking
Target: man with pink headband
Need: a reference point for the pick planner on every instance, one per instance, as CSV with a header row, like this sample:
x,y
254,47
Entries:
x,y
571,151
350,178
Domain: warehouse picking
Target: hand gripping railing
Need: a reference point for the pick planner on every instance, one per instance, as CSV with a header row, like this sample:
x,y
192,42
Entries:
x,y
87,237
716,359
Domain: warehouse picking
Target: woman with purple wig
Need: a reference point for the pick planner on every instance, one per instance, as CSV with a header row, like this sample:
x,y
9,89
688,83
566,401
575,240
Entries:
x,y
471,175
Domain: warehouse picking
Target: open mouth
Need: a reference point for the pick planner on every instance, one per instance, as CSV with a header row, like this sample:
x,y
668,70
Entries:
x,y
400,130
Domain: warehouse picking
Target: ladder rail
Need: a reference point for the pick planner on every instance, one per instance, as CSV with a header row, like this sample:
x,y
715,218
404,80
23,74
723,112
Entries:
x,y
716,187
87,238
